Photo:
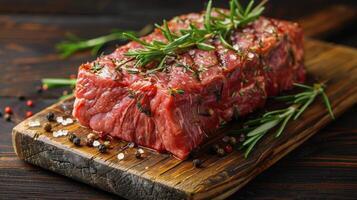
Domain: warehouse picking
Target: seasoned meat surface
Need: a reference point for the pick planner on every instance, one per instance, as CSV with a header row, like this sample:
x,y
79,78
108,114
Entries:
x,y
215,85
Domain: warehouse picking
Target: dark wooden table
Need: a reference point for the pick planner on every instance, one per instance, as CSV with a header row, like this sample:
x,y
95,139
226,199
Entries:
x,y
325,167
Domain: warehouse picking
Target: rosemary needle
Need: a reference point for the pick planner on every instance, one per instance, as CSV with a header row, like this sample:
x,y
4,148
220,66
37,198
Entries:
x,y
74,44
278,119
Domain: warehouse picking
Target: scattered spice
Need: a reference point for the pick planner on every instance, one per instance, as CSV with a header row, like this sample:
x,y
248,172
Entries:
x,y
29,114
39,89
241,137
29,103
60,133
102,148
120,156
232,141
225,139
77,141
96,143
35,123
92,136
107,144
8,110
89,142
137,154
59,120
50,116
7,117
197,163
228,148
71,137
47,127
131,144
108,138
220,152
214,148
21,97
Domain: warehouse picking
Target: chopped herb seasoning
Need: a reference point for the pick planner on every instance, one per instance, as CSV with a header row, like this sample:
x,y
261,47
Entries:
x,y
132,94
142,109
96,67
267,68
220,26
174,91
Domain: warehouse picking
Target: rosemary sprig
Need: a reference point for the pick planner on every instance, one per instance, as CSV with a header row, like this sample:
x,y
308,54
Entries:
x,y
278,119
59,82
219,26
74,44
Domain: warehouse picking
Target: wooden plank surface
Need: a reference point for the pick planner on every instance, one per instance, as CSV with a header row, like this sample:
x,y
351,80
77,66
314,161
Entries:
x,y
322,168
164,177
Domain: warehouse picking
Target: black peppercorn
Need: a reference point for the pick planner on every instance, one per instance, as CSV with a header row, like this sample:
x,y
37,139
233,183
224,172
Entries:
x,y
137,154
71,137
0,114
241,138
7,117
197,163
232,141
102,148
47,127
21,97
214,148
89,142
50,116
220,152
77,141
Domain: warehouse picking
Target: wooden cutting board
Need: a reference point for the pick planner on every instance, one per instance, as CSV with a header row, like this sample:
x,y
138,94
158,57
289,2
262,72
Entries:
x,y
160,176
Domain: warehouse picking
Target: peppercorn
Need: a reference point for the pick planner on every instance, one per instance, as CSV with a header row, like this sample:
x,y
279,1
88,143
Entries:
x,y
108,138
71,137
21,97
214,148
8,110
228,148
195,153
107,144
137,154
232,141
39,89
50,116
29,103
220,152
92,136
47,127
102,148
0,114
89,142
77,141
29,114
197,163
7,117
241,138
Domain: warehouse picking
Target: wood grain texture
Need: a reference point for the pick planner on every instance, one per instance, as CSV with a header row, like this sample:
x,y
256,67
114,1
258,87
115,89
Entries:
x,y
163,177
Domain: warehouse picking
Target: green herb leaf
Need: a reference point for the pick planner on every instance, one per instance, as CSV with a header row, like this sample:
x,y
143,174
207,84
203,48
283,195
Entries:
x,y
257,128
